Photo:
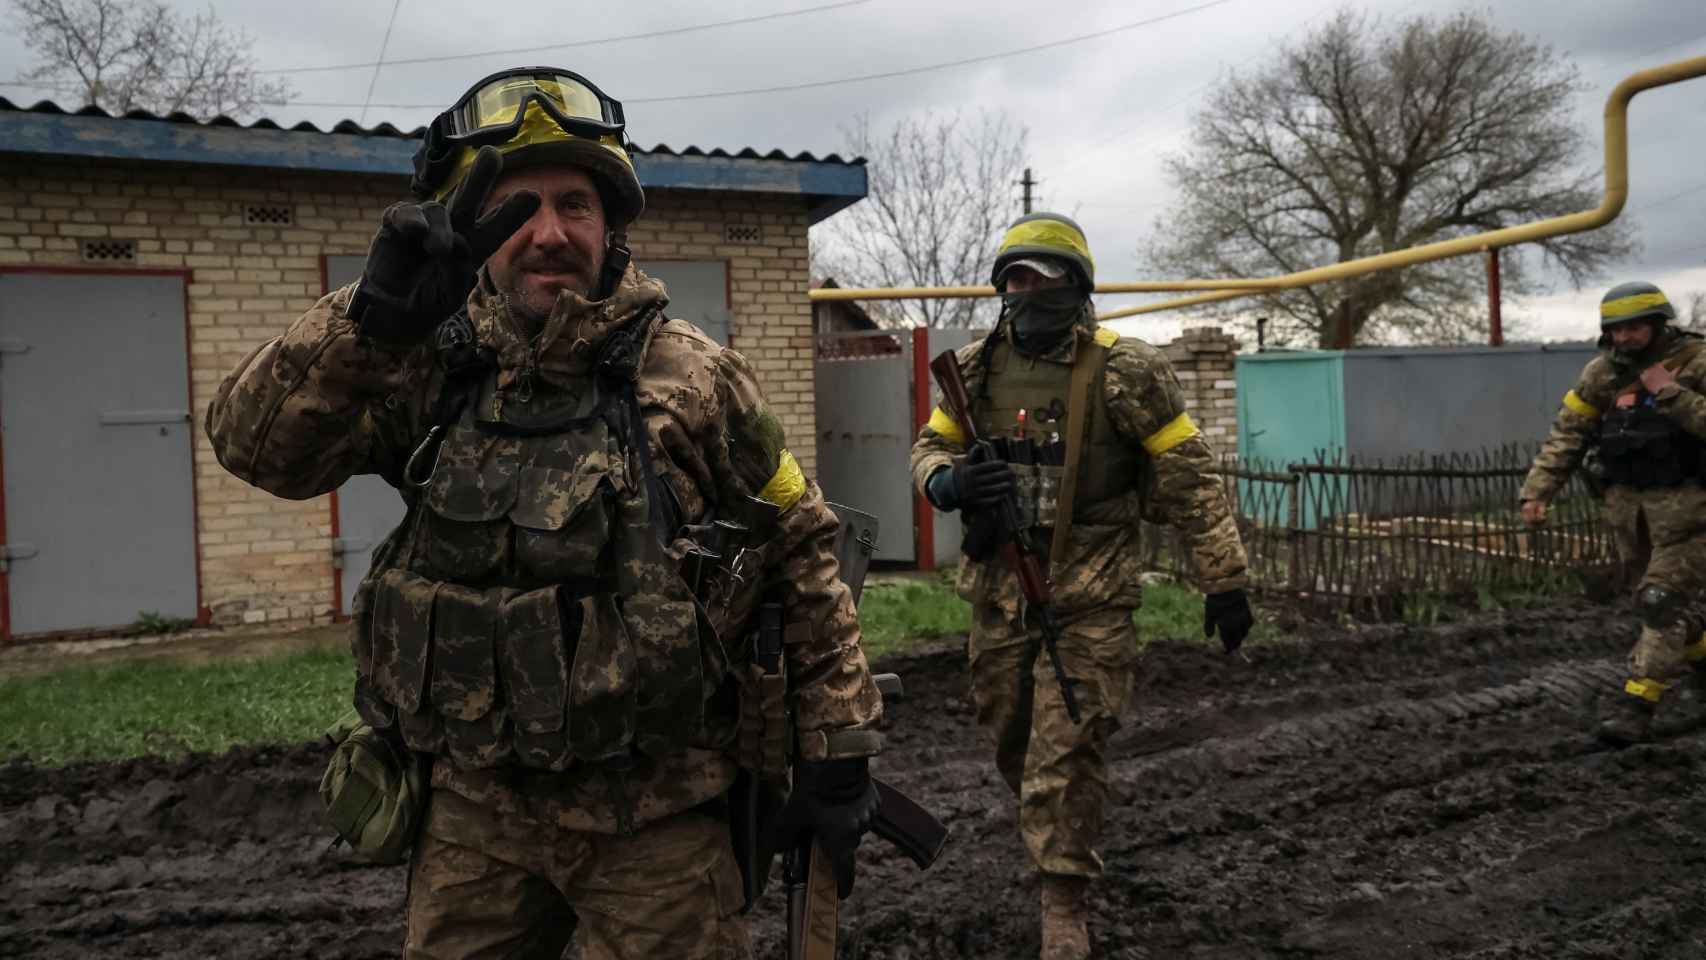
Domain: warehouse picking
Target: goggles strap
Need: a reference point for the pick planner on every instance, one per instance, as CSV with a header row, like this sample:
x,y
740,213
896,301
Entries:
x,y
616,259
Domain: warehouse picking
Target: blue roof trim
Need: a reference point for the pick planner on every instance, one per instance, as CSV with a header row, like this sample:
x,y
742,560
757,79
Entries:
x,y
829,184
832,186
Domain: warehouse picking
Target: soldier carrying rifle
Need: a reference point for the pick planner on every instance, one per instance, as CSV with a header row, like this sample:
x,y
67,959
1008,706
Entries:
x,y
1055,438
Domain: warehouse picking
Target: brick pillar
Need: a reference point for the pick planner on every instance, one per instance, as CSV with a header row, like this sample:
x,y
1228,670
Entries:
x,y
1204,357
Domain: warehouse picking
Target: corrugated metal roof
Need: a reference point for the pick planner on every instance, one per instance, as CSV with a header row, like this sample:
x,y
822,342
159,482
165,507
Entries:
x,y
353,129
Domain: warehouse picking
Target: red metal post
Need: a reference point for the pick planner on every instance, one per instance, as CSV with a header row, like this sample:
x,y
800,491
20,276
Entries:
x,y
339,614
1495,323
923,521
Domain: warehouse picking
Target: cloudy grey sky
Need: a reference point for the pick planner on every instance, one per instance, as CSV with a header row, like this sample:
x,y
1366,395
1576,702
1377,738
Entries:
x,y
1102,112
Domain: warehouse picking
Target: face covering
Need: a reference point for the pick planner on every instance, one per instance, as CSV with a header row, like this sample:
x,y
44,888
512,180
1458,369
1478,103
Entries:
x,y
1641,358
1042,318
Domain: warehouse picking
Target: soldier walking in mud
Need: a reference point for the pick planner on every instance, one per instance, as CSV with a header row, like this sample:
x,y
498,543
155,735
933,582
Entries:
x,y
1640,408
1082,488
561,447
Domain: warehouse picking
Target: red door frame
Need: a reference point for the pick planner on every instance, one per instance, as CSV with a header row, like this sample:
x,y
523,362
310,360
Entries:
x,y
923,520
203,615
339,614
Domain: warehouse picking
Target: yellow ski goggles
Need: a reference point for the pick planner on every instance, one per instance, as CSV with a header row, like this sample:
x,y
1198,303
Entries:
x,y
494,110
491,111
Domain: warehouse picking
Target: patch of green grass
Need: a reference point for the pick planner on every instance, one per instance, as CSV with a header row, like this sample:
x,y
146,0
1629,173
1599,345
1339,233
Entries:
x,y
894,615
1426,608
164,708
1174,611
161,707
1169,610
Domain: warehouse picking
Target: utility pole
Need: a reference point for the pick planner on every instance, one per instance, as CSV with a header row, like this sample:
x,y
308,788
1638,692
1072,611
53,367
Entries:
x,y
1495,322
1027,181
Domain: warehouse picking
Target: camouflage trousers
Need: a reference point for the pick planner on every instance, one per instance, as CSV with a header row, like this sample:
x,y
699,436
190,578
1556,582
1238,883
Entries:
x,y
1058,770
488,885
1661,542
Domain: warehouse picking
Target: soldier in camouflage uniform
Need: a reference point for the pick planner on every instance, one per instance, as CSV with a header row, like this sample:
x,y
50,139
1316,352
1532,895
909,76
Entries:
x,y
1142,458
559,444
1641,406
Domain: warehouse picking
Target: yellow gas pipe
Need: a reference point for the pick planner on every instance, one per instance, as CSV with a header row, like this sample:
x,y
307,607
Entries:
x,y
1616,192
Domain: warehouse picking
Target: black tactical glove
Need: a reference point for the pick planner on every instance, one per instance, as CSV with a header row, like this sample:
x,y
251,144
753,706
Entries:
x,y
1228,611
425,258
977,481
833,802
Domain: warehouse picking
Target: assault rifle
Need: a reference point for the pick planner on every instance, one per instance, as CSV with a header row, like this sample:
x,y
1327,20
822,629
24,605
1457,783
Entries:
x,y
758,805
1018,550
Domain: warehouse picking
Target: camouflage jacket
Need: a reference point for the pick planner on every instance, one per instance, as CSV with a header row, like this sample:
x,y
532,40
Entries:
x,y
320,403
1597,389
1102,560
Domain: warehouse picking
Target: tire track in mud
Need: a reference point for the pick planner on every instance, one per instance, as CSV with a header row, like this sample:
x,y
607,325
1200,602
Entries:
x,y
1391,792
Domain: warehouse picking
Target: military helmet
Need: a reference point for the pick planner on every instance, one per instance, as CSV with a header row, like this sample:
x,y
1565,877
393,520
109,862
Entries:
x,y
1637,300
535,116
1038,235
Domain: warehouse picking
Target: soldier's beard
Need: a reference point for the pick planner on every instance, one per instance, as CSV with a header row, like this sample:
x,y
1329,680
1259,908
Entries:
x,y
1642,356
531,306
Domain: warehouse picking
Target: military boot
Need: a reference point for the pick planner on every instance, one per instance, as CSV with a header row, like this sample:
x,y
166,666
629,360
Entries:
x,y
1066,934
1626,720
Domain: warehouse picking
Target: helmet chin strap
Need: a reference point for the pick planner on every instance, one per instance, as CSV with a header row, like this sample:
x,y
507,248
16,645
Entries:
x,y
617,256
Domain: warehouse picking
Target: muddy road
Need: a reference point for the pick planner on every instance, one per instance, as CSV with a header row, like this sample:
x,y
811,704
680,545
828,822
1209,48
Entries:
x,y
1391,793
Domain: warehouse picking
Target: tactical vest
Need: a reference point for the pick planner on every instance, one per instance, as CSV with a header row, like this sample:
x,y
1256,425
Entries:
x,y
1642,448
1109,467
525,611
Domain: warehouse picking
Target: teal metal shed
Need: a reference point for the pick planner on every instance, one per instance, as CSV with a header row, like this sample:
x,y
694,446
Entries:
x,y
1391,403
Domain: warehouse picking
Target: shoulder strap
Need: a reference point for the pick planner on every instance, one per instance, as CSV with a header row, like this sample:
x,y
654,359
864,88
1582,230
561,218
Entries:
x,y
1091,359
619,367
465,364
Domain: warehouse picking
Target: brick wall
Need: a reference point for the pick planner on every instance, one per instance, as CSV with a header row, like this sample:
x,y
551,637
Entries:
x,y
768,278
1204,358
263,559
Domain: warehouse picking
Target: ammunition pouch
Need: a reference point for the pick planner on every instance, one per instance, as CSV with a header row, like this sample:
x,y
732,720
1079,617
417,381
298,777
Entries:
x,y
1642,448
1038,493
490,677
374,791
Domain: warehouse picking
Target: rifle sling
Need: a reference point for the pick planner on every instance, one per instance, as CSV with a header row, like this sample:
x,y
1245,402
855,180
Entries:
x,y
1091,358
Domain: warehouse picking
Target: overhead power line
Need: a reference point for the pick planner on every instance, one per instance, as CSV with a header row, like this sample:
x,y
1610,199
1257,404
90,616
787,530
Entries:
x,y
379,64
783,88
571,44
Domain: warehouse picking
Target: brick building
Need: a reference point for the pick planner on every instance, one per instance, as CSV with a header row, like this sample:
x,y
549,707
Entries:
x,y
141,258
1205,358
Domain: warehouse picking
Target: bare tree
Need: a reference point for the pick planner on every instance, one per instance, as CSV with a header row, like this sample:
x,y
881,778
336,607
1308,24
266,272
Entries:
x,y
123,55
1694,315
1364,139
939,196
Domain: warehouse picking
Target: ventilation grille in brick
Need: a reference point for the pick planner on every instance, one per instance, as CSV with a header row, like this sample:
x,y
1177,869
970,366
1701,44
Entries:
x,y
106,251
742,233
268,216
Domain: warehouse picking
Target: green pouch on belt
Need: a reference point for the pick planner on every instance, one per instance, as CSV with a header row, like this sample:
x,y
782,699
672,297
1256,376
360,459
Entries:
x,y
374,791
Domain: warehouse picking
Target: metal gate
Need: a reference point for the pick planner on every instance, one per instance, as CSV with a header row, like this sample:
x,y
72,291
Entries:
x,y
99,507
871,400
698,293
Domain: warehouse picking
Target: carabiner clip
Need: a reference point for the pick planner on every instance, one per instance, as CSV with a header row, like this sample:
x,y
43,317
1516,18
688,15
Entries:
x,y
435,440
